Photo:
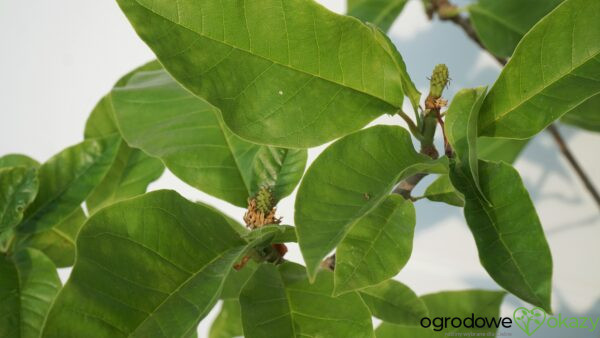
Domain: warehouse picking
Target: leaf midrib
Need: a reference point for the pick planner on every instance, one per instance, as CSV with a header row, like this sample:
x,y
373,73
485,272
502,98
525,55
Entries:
x,y
69,185
184,283
380,232
501,240
544,87
272,61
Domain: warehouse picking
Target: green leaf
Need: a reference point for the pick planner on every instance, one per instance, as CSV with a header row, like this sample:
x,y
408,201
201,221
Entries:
x,y
394,302
500,25
442,190
18,188
228,323
461,304
153,265
488,148
101,121
66,180
347,181
508,234
408,85
461,129
235,281
28,284
586,115
279,301
17,160
555,68
377,247
273,234
381,13
160,117
500,149
306,77
58,242
132,170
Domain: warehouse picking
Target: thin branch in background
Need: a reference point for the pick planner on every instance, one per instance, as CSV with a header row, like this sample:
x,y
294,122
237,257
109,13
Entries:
x,y
552,129
449,12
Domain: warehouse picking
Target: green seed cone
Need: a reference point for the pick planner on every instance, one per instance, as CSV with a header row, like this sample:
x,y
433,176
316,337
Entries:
x,y
264,200
439,80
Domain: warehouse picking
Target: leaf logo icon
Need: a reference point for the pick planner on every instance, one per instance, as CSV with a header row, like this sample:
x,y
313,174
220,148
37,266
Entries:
x,y
529,320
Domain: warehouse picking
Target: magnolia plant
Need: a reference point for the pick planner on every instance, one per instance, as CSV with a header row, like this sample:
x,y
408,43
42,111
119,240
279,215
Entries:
x,y
239,91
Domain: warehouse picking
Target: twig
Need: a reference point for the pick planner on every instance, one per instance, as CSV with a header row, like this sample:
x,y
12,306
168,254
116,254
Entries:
x,y
411,125
431,118
553,130
447,12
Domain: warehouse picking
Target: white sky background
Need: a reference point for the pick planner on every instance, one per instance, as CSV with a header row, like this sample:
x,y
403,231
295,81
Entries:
x,y
58,58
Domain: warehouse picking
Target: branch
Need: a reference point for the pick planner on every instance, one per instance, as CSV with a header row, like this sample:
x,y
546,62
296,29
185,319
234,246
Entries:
x,y
553,130
448,12
431,117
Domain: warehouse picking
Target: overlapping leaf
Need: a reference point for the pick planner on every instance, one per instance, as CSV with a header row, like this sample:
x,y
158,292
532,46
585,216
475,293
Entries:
x,y
157,115
500,149
499,212
508,233
28,285
461,129
18,188
554,70
586,115
350,179
306,77
58,242
442,190
461,304
66,180
279,301
228,323
377,247
381,13
394,302
17,160
153,266
500,25
131,171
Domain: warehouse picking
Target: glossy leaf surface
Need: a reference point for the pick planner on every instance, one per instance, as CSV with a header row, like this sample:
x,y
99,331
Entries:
x,y
228,323
377,247
280,302
451,304
306,77
132,170
461,129
17,160
394,302
153,266
28,284
442,190
500,149
555,69
347,181
500,25
381,13
66,180
159,116
508,234
18,188
58,242
586,115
